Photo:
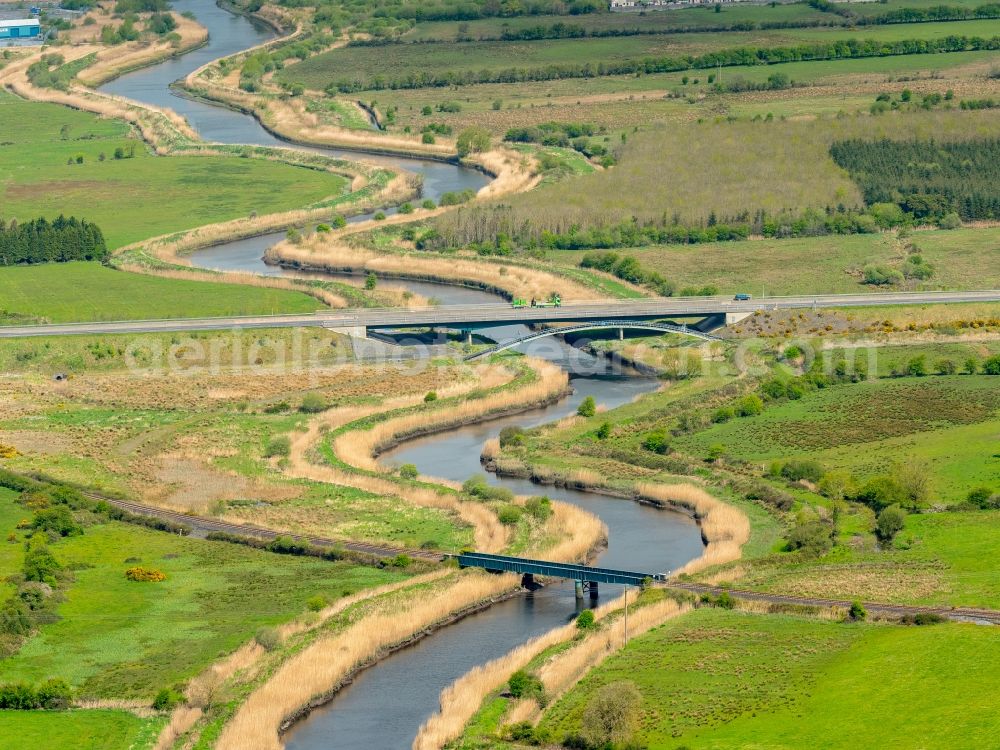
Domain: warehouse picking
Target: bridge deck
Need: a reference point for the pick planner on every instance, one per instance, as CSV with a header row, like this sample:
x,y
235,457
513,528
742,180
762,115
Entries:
x,y
554,569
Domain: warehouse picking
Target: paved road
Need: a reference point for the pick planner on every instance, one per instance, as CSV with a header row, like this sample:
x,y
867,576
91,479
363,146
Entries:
x,y
503,314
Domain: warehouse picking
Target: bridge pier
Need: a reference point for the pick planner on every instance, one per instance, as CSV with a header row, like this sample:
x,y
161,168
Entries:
x,y
467,336
528,582
580,586
592,585
621,333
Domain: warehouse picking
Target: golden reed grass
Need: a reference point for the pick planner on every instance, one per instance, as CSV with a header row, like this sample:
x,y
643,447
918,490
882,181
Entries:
x,y
333,254
359,448
724,527
320,667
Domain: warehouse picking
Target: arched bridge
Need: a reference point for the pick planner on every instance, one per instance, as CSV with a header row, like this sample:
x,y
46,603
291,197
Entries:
x,y
645,325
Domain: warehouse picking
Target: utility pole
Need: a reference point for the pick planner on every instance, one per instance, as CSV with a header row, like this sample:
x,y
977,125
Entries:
x,y
626,615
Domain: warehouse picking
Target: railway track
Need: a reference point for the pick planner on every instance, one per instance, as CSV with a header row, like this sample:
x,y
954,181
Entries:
x,y
208,525
960,614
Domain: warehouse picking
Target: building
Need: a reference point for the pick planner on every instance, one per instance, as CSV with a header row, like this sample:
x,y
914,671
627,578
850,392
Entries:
x,y
20,28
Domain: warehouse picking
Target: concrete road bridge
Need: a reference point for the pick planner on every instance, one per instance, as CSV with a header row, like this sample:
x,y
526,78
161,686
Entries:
x,y
713,312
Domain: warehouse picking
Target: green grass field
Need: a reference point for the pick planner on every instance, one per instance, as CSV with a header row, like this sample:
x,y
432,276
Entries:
x,y
358,63
820,265
81,291
121,639
76,730
138,198
714,680
941,559
864,427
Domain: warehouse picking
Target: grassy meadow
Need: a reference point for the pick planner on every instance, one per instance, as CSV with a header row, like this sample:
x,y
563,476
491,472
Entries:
x,y
816,265
727,168
865,427
91,729
393,61
119,639
132,199
713,679
83,291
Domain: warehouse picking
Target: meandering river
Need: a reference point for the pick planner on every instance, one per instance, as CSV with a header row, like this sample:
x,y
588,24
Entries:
x,y
383,708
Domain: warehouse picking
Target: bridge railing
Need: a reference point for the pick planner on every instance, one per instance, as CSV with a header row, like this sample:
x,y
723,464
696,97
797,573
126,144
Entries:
x,y
504,563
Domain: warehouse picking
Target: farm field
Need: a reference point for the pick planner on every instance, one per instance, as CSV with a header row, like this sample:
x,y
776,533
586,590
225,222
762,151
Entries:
x,y
864,427
357,64
691,172
136,198
82,291
739,680
820,265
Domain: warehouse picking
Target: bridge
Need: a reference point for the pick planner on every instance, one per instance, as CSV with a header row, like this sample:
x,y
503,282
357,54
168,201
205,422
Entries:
x,y
357,322
586,577
619,325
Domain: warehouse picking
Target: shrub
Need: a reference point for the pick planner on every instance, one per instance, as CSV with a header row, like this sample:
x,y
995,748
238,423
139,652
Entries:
x,y
881,492
57,520
604,431
473,141
279,445
523,684
512,436
509,515
797,469
430,397
316,603
980,497
890,521
40,565
750,405
539,507
313,403
922,618
857,612
401,561
145,575
167,699
945,367
587,408
409,471
52,694
268,638
991,366
586,620
723,414
879,274
811,538
612,713
657,442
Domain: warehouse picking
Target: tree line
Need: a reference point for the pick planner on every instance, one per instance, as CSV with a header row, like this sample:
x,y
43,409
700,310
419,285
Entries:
x,y
58,241
926,178
739,56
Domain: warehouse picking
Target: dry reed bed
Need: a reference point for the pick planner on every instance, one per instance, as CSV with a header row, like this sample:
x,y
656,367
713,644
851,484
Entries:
x,y
463,698
115,61
248,661
315,671
359,448
724,528
490,534
330,253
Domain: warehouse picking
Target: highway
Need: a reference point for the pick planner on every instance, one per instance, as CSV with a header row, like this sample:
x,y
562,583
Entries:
x,y
482,316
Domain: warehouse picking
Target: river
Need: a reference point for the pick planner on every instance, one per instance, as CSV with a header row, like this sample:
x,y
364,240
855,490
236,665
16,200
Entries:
x,y
385,705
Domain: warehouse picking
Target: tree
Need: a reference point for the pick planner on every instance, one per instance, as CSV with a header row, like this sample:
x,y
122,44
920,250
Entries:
x,y
473,141
612,713
971,366
890,522
992,365
587,408
981,497
945,367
